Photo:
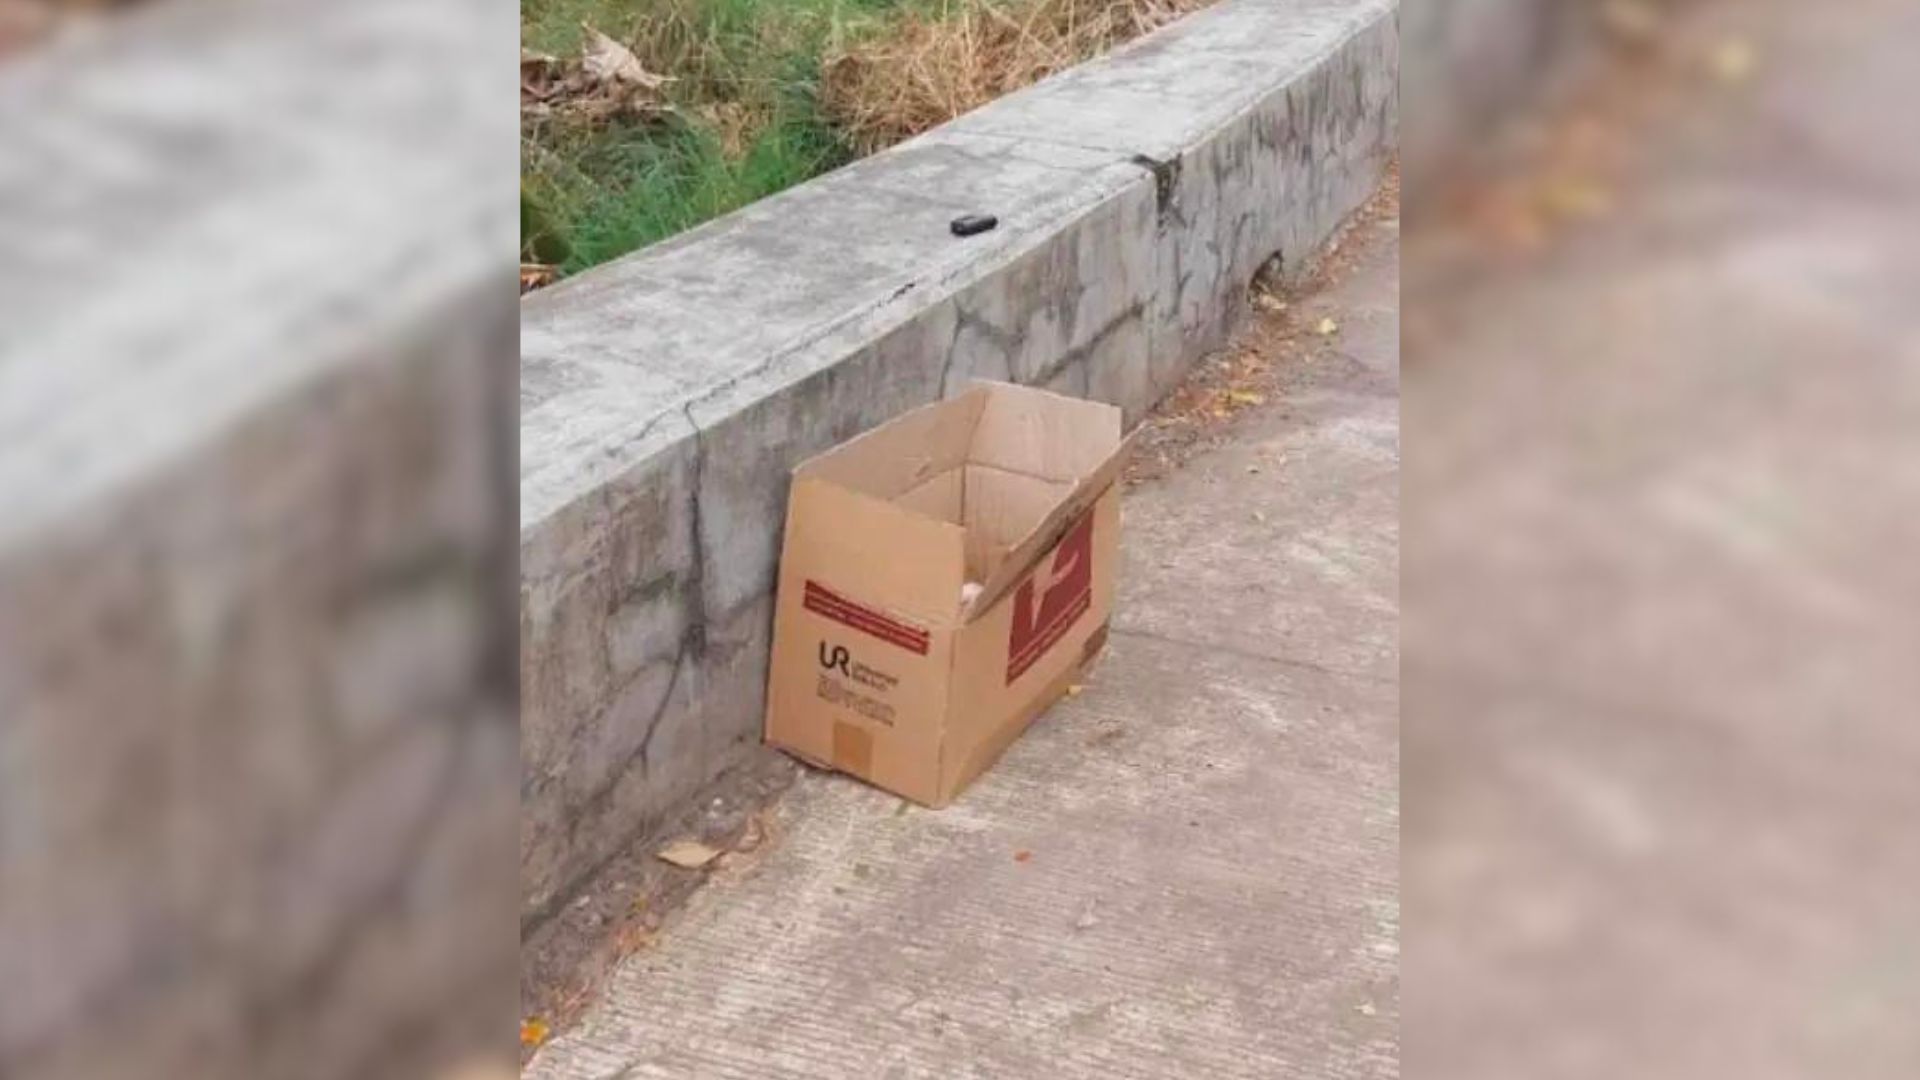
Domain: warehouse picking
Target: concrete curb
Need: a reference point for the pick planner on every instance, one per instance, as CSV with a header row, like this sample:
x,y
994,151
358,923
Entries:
x,y
665,397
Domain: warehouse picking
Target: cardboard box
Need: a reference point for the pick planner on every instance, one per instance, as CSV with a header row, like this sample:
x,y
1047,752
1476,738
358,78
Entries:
x,y
945,577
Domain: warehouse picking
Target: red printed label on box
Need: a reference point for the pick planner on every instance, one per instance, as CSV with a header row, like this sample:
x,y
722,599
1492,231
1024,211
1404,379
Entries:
x,y
1052,599
824,601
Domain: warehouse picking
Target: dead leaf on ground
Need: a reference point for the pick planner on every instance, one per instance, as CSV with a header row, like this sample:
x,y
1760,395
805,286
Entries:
x,y
1326,328
1075,689
753,834
609,61
1245,397
687,854
1023,855
634,938
533,1031
537,275
1269,302
606,81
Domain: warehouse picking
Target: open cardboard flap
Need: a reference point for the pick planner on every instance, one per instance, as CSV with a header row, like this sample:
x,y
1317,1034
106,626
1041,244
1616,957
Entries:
x,y
1010,465
1014,564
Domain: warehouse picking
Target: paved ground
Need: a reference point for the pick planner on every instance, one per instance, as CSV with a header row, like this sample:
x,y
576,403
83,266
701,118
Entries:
x,y
1210,829
1662,504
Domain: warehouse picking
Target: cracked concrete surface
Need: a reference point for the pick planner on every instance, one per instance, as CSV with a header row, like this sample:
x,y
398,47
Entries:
x,y
1188,869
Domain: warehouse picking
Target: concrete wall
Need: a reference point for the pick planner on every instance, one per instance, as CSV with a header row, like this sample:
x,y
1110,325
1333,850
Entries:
x,y
665,397
257,359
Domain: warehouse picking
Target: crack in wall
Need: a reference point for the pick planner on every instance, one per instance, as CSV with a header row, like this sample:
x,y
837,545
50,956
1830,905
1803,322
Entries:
x,y
692,649
1132,313
591,808
1009,343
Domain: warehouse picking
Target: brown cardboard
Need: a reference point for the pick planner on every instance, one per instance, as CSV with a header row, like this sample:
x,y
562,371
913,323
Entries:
x,y
883,666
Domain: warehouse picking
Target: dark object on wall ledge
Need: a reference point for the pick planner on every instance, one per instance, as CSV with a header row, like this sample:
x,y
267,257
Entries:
x,y
974,224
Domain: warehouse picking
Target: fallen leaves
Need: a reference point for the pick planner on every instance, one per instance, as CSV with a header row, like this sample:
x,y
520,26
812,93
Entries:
x,y
1326,327
533,1032
1522,217
607,81
608,61
633,938
753,834
687,854
1023,855
537,275
1277,351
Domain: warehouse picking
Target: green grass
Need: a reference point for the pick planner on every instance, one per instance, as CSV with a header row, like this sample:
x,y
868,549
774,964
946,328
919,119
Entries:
x,y
594,194
628,189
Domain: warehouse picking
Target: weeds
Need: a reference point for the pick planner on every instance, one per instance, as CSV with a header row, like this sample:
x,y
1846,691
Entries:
x,y
768,93
940,62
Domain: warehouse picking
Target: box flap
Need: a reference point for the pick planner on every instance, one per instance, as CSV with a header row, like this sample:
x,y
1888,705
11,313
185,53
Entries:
x,y
884,555
1041,433
1045,535
1000,509
904,453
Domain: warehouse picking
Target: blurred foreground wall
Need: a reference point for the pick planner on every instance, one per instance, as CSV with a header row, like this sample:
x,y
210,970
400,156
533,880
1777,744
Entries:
x,y
257,366
1471,64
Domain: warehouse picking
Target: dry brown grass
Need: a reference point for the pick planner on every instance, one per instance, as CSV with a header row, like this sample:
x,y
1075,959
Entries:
x,y
962,54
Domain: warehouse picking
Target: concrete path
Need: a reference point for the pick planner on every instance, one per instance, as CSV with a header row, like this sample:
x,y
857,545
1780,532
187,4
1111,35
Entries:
x,y
1662,505
1188,870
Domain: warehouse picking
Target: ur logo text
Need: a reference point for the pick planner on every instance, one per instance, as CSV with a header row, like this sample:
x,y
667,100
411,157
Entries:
x,y
837,657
